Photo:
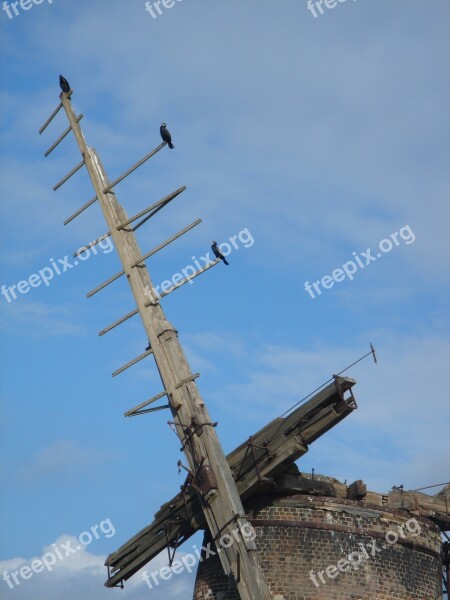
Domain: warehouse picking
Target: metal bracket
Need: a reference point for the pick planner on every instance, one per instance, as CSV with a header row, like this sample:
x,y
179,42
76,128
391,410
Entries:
x,y
251,447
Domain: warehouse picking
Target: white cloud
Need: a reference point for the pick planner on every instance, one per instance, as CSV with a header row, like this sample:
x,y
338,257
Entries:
x,y
399,432
82,574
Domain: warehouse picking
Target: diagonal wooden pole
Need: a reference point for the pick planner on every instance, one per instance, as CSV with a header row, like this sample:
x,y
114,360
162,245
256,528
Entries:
x,y
219,498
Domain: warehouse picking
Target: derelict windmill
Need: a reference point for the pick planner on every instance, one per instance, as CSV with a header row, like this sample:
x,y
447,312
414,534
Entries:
x,y
211,496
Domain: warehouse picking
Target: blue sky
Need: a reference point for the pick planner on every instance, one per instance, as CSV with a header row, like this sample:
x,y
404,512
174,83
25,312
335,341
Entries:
x,y
319,136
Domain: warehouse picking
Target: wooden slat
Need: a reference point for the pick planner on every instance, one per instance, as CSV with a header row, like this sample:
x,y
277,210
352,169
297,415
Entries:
x,y
307,422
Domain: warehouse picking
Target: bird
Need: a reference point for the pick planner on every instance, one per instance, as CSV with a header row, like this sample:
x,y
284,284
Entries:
x,y
64,84
165,134
218,253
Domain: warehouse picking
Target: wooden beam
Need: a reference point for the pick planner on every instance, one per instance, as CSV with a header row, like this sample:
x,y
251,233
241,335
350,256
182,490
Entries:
x,y
91,244
132,362
110,186
68,176
275,446
50,119
61,137
80,210
138,408
166,243
223,513
153,206
119,321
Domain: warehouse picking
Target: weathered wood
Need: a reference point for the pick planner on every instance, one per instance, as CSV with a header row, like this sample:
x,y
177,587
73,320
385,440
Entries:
x,y
110,186
132,362
119,321
190,278
167,242
91,244
68,176
276,446
51,117
224,514
164,201
61,137
80,210
138,408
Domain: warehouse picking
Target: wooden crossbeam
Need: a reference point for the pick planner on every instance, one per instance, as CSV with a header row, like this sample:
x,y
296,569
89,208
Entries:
x,y
61,137
69,175
140,214
132,362
133,168
80,210
275,446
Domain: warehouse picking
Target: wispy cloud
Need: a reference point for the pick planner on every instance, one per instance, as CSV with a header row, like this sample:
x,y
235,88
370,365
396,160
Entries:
x,y
64,457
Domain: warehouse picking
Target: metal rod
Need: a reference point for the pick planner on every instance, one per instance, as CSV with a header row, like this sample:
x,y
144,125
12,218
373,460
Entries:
x,y
146,210
122,320
97,241
144,257
177,285
146,403
431,486
372,352
69,175
134,167
167,242
148,410
61,137
132,362
80,210
104,284
50,119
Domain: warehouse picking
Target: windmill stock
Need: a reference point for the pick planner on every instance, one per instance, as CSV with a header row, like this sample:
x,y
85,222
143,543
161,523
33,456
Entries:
x,y
215,484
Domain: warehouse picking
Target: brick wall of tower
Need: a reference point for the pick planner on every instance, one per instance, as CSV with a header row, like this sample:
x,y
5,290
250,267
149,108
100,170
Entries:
x,y
300,537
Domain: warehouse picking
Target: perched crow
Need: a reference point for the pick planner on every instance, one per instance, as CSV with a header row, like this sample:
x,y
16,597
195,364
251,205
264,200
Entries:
x,y
64,84
218,253
165,134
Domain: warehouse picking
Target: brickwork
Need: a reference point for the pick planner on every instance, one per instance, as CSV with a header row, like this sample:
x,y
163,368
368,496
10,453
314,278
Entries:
x,y
313,548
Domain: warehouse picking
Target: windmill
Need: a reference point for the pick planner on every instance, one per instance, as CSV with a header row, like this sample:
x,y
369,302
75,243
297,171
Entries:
x,y
211,495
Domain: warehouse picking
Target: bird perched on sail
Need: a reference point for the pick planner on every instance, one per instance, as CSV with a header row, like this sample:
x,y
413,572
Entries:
x,y
165,134
64,84
218,253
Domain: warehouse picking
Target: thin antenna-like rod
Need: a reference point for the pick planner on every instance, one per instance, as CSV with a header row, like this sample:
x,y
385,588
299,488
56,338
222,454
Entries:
x,y
80,210
68,176
61,137
50,119
119,322
146,403
142,258
166,243
190,278
146,210
133,168
91,244
132,362
104,284
372,351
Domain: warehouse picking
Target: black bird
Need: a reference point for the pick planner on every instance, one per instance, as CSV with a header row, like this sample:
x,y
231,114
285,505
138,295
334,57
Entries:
x,y
218,253
165,134
64,84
